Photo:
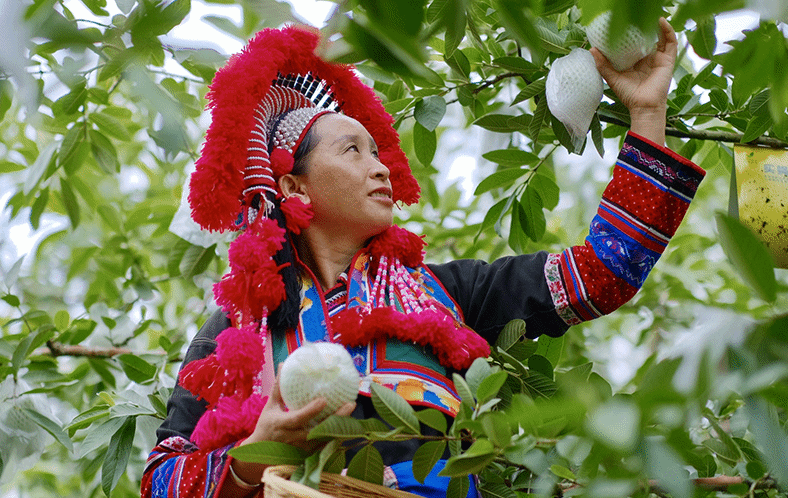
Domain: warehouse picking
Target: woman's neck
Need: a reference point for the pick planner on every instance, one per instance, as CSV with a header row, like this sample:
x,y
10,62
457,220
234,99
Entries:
x,y
326,256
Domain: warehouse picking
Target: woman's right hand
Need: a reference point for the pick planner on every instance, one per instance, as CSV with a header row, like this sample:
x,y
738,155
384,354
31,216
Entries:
x,y
276,423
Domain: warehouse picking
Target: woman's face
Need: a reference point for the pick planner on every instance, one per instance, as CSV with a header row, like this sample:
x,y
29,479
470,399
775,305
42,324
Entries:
x,y
347,185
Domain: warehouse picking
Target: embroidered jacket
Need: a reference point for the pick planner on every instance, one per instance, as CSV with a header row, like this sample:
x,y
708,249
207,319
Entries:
x,y
640,211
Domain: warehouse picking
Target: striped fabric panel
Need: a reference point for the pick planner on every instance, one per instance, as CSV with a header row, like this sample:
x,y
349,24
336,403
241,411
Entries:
x,y
177,469
640,211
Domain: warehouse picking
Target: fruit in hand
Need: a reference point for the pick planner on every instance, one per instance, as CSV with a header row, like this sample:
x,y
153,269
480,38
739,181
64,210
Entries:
x,y
319,369
574,90
629,47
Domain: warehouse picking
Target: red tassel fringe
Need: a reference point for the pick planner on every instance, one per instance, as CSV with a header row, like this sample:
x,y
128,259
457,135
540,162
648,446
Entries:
x,y
455,345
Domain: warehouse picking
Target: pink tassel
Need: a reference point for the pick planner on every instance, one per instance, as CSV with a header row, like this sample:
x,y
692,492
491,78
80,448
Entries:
x,y
297,214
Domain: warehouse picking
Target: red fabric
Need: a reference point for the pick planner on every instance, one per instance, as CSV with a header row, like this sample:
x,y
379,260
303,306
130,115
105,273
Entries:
x,y
646,202
606,291
217,183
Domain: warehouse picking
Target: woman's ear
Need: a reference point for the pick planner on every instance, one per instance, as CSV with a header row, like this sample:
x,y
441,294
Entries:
x,y
290,185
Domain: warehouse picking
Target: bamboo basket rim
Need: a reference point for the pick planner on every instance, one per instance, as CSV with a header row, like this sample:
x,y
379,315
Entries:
x,y
278,485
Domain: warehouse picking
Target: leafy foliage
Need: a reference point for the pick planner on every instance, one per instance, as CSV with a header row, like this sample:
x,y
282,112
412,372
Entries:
x,y
105,114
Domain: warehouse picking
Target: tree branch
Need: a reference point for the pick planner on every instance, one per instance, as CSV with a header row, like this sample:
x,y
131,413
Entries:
x,y
716,136
56,349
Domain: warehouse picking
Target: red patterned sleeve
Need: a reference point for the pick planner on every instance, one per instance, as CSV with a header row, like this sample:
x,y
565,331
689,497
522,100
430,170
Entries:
x,y
176,468
640,211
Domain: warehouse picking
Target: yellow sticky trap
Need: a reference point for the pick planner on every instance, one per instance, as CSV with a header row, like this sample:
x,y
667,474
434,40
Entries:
x,y
762,186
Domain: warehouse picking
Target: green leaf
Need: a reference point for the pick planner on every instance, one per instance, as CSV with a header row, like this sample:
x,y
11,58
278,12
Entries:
x,y
367,465
137,369
51,427
667,467
110,125
563,136
563,472
463,389
748,256
11,299
104,152
511,334
500,123
518,19
540,114
458,487
719,99
703,38
425,142
546,188
551,348
490,386
38,207
597,136
757,126
9,167
460,64
477,372
492,217
539,363
454,18
534,224
539,385
73,100
426,457
615,424
499,179
480,454
393,408
496,428
196,260
511,157
433,418
117,456
346,428
430,111
269,453
70,202
533,89
497,490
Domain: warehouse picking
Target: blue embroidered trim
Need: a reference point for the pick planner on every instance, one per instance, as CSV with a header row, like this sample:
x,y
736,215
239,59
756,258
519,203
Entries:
x,y
624,256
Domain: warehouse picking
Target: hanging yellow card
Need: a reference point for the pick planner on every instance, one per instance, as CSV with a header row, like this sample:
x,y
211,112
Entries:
x,y
762,186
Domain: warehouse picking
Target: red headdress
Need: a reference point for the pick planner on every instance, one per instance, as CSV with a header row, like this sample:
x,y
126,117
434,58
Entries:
x,y
236,94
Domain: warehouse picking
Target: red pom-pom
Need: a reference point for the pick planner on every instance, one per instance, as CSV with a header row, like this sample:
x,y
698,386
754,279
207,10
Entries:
x,y
297,214
232,419
203,379
240,351
281,162
246,293
255,248
398,243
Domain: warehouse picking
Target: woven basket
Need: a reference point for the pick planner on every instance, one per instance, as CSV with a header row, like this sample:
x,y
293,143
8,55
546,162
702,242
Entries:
x,y
277,485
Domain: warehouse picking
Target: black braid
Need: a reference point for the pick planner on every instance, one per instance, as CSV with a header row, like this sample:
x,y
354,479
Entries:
x,y
286,315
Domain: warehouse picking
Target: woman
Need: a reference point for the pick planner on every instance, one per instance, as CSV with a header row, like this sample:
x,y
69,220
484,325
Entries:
x,y
319,259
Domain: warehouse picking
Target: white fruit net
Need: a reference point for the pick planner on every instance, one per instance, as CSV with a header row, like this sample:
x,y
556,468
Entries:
x,y
629,47
319,369
574,90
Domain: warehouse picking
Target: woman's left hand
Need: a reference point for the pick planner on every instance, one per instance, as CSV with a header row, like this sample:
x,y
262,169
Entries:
x,y
644,87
